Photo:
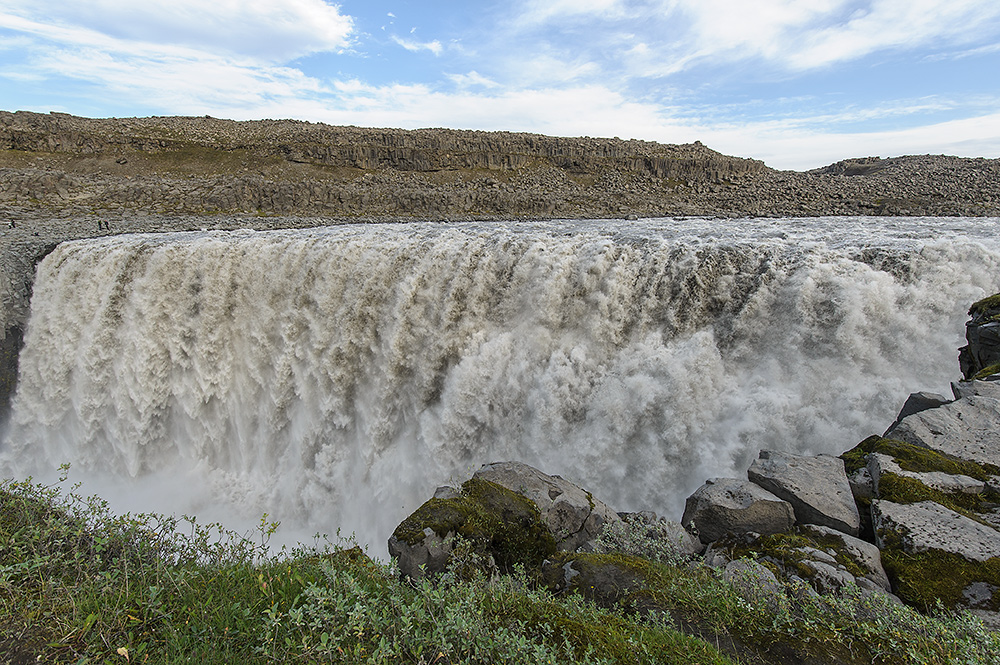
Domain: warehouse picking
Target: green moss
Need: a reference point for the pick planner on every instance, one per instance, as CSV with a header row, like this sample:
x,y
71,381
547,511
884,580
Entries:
x,y
900,489
987,372
917,459
985,305
492,518
783,552
922,578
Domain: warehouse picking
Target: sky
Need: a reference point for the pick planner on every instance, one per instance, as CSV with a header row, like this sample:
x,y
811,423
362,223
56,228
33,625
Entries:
x,y
796,83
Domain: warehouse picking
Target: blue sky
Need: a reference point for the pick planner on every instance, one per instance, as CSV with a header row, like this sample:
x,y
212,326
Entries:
x,y
797,83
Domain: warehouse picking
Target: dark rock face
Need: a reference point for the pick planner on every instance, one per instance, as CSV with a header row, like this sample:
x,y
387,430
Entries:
x,y
982,332
10,347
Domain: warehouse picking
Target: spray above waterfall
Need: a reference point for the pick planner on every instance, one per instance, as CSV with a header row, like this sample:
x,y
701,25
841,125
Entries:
x,y
333,377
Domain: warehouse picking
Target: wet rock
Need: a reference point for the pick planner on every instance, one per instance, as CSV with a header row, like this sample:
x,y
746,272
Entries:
x,y
731,505
982,354
816,487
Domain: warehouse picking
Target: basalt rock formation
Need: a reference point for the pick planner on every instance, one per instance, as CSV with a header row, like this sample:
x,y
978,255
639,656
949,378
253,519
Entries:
x,y
203,165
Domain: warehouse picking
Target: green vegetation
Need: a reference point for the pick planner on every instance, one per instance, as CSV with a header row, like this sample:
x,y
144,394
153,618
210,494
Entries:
x,y
914,458
925,579
900,489
987,371
786,552
494,520
985,305
79,584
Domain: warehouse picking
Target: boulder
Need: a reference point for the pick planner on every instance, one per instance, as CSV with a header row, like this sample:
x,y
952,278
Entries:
x,y
732,505
862,553
919,527
495,525
826,559
934,555
573,516
862,485
918,402
966,429
816,486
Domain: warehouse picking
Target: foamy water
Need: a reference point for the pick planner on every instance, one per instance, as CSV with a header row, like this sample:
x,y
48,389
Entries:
x,y
333,377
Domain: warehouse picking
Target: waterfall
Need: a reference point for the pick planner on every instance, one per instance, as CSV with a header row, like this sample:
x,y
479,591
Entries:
x,y
333,377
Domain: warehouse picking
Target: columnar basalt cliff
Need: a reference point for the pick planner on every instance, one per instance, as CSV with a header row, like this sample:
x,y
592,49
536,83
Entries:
x,y
206,165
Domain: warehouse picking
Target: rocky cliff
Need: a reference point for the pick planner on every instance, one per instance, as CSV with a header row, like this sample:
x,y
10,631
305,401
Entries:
x,y
58,162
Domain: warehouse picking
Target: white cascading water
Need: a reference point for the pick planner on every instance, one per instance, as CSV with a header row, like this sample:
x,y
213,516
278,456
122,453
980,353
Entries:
x,y
333,377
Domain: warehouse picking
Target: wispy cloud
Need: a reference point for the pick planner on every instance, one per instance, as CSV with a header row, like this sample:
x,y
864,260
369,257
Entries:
x,y
662,37
434,46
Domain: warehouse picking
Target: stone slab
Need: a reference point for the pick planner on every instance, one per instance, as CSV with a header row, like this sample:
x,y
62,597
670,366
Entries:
x,y
968,428
927,526
816,486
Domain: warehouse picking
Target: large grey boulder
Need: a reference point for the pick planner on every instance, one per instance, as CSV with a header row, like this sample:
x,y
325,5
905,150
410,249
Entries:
x,y
573,516
923,526
966,428
816,486
488,525
732,505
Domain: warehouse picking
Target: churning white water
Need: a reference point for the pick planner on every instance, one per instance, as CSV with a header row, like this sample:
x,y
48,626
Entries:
x,y
333,377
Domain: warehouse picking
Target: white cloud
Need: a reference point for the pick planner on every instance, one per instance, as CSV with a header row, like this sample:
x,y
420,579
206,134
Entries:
x,y
534,12
434,47
663,37
790,145
471,79
273,31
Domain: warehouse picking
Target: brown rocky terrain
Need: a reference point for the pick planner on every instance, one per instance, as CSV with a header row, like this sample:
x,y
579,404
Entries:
x,y
61,164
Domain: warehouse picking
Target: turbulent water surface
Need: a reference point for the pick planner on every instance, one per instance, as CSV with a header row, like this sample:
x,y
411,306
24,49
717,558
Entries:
x,y
333,377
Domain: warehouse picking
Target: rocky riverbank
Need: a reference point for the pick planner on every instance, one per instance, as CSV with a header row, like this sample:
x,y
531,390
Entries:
x,y
912,516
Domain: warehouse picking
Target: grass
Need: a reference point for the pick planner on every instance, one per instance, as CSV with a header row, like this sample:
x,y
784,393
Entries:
x,y
79,584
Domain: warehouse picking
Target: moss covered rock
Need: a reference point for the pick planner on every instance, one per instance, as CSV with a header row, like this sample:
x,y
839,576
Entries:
x,y
494,522
934,554
826,558
981,357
